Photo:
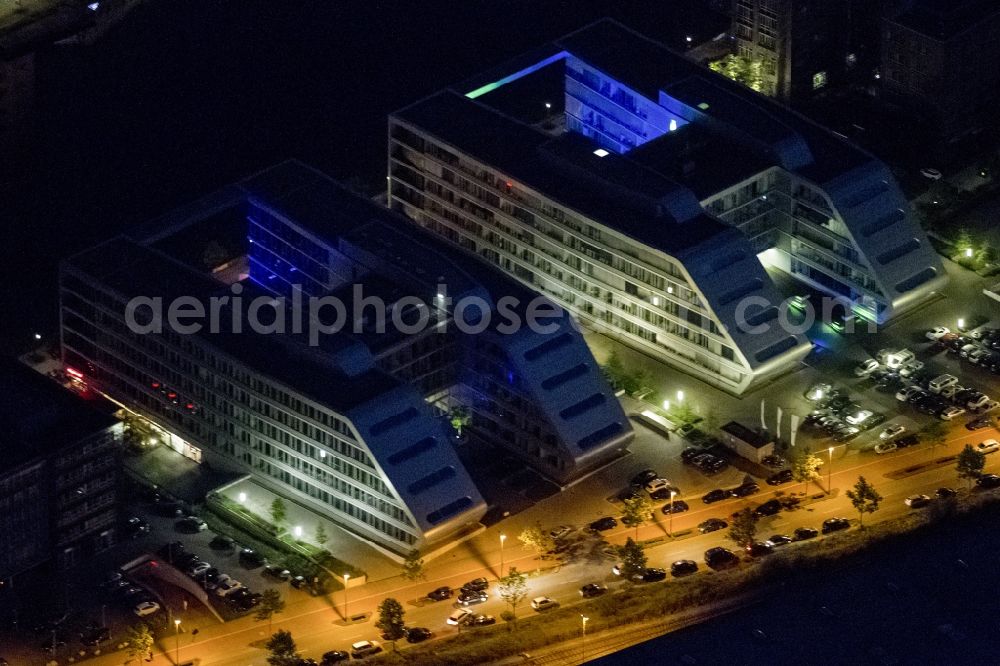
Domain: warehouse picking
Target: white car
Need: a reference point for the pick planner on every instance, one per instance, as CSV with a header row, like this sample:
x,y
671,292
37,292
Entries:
x,y
917,501
931,174
866,368
979,355
910,368
146,608
559,532
937,333
989,446
656,484
978,401
818,392
859,417
461,616
228,587
885,447
543,603
362,649
951,412
907,393
892,431
967,349
989,406
198,568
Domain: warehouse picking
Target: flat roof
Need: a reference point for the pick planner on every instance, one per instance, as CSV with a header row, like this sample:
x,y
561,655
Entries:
x,y
745,434
38,416
133,270
482,118
619,192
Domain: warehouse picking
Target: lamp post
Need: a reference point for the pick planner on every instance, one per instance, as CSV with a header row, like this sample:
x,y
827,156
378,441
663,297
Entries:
x,y
503,537
583,640
670,519
680,396
347,577
177,641
829,473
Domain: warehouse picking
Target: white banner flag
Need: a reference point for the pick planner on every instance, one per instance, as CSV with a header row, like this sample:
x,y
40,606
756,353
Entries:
x,y
763,425
777,428
795,428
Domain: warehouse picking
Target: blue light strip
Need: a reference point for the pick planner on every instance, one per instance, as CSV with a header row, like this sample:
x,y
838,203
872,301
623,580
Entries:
x,y
489,87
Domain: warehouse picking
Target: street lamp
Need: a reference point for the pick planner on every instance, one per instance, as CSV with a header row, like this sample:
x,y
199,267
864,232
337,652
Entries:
x,y
503,537
347,577
583,641
680,396
968,252
243,498
961,324
177,640
670,519
666,405
829,473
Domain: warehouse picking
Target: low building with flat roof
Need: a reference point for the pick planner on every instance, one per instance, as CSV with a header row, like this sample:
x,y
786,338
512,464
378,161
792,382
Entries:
x,y
751,444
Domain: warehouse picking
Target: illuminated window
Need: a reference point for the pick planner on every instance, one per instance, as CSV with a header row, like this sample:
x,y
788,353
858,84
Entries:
x,y
819,80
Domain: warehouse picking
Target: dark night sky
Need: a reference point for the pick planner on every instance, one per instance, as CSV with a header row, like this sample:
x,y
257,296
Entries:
x,y
190,94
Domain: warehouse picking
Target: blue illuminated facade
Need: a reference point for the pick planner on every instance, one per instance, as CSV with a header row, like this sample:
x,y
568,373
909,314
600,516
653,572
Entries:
x,y
652,196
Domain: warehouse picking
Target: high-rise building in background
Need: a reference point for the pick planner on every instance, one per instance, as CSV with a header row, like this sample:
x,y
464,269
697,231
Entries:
x,y
357,427
941,58
802,45
650,197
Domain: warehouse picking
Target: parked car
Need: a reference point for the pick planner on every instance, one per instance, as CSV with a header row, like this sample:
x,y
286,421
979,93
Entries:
x,y
191,524
894,430
418,634
711,525
948,413
931,174
988,446
334,657
592,590
773,461
907,440
885,447
476,585
835,525
146,608
768,508
804,533
818,392
683,568
721,558
744,490
460,616
277,572
560,532
944,492
251,558
481,620
988,481
784,476
541,604
363,649
759,549
866,367
937,333
471,597
677,506
227,587
917,501
779,540
604,524
644,477
652,575
716,495
440,593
